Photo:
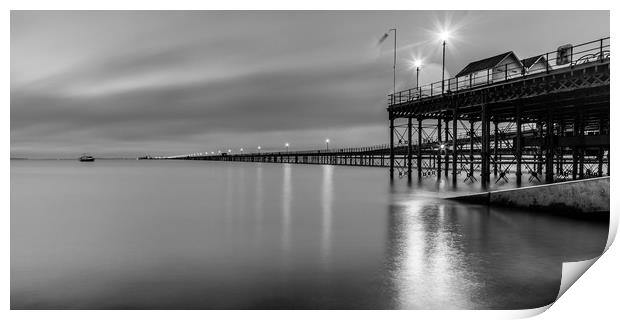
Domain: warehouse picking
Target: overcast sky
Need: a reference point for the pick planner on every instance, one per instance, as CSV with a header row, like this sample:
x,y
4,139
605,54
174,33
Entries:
x,y
117,83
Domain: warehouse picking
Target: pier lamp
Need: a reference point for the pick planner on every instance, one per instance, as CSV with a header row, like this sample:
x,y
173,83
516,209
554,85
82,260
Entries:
x,y
394,66
286,145
219,151
241,150
444,36
211,152
417,64
229,151
327,143
258,149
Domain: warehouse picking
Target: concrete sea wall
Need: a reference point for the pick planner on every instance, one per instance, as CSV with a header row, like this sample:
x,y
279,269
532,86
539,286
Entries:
x,y
581,196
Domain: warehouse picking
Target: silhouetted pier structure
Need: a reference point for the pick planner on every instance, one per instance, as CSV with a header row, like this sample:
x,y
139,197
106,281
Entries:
x,y
563,103
546,117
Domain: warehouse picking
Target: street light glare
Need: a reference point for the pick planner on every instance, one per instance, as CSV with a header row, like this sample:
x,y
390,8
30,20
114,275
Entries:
x,y
444,35
417,63
286,144
327,140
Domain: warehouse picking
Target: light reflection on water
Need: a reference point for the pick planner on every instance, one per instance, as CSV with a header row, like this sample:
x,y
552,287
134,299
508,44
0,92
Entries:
x,y
201,235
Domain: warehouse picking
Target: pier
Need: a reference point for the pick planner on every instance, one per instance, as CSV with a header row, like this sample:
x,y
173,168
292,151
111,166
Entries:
x,y
543,118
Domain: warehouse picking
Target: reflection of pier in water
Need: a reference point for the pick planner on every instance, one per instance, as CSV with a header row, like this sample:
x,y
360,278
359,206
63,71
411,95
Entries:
x,y
441,253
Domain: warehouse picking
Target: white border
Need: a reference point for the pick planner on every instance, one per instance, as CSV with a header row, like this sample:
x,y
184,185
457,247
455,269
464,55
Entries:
x,y
594,295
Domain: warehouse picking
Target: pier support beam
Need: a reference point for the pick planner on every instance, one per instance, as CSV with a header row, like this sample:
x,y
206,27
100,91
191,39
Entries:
x,y
601,151
471,147
439,142
518,146
409,147
575,149
549,148
391,146
495,141
419,157
485,146
454,143
447,155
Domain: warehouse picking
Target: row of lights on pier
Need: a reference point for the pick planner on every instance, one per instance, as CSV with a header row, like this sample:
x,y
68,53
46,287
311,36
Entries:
x,y
286,145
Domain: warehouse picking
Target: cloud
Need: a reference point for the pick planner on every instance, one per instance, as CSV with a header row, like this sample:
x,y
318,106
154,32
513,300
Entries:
x,y
122,83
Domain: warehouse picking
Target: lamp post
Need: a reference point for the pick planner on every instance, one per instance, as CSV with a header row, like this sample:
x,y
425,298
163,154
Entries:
x,y
417,64
241,150
258,149
394,66
327,143
286,145
444,37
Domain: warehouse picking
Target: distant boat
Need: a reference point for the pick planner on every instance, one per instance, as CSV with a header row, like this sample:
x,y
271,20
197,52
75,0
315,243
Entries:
x,y
87,158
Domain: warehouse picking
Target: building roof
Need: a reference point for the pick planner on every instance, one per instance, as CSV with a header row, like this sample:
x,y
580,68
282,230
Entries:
x,y
528,62
485,64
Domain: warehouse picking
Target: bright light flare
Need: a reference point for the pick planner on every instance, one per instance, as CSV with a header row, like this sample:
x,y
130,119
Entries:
x,y
444,35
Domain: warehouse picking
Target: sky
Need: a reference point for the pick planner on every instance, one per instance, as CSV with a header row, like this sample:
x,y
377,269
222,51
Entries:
x,y
129,83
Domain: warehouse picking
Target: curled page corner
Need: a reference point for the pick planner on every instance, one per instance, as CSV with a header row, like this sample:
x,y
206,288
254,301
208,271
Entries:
x,y
613,229
571,271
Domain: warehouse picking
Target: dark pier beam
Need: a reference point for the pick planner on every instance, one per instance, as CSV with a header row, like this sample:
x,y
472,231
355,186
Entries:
x,y
560,159
601,151
539,161
419,156
447,155
454,143
439,148
471,147
391,146
575,149
549,147
495,141
409,147
581,130
484,152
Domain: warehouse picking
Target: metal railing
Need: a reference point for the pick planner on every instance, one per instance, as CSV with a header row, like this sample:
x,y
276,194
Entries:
x,y
564,57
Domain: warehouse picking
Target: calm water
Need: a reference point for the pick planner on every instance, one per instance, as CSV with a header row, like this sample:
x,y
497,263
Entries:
x,y
209,235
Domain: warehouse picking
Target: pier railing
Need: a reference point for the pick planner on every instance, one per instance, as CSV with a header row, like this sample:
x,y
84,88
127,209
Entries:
x,y
567,56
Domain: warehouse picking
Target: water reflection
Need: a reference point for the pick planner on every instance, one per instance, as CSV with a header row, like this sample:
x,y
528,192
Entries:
x,y
166,234
258,208
450,255
326,205
286,213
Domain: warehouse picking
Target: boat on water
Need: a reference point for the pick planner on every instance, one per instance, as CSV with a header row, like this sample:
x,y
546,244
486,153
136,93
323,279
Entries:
x,y
87,158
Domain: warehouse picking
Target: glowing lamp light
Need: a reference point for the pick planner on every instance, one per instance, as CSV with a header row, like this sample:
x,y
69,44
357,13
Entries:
x,y
444,35
442,146
417,63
